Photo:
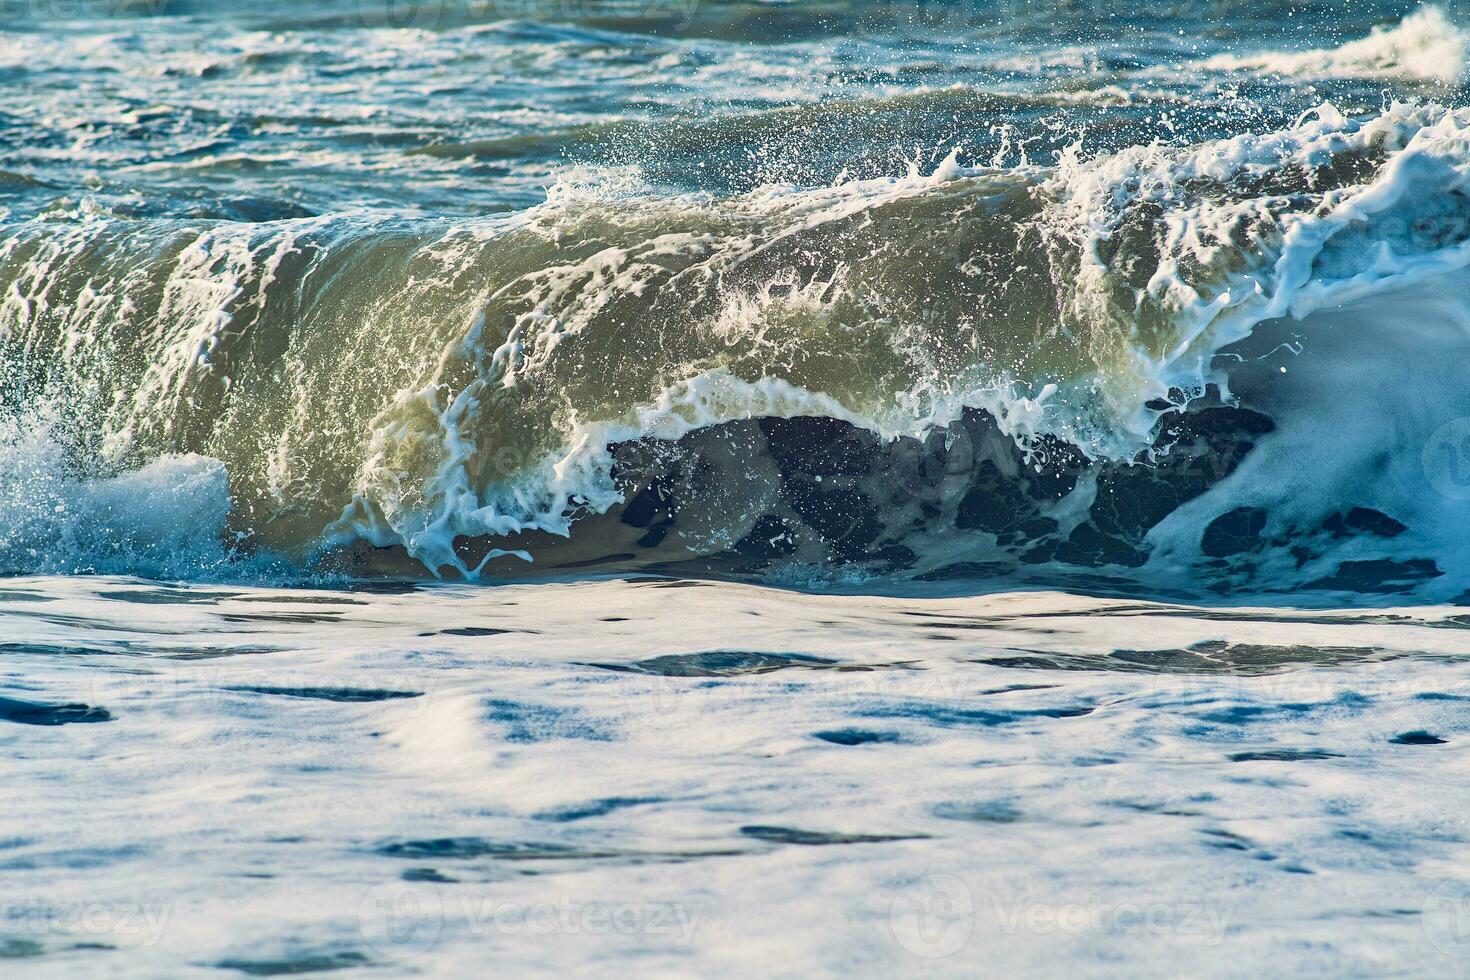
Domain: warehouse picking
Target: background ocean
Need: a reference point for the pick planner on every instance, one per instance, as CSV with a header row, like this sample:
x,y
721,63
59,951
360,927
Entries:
x,y
693,487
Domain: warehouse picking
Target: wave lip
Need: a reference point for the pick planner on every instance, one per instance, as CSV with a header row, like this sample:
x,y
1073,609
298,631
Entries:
x,y
1425,46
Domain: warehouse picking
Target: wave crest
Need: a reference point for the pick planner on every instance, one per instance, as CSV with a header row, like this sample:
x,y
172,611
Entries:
x,y
1424,45
416,383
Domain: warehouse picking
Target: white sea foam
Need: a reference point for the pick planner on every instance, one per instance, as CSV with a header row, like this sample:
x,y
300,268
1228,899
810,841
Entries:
x,y
1424,45
532,809
165,519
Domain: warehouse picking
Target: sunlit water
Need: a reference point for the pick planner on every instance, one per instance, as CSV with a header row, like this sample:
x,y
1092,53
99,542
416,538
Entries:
x,y
956,487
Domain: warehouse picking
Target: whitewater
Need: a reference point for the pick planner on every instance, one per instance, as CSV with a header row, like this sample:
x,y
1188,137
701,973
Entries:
x,y
733,488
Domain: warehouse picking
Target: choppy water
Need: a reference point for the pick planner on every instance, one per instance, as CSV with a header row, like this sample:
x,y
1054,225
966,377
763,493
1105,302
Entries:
x,y
905,323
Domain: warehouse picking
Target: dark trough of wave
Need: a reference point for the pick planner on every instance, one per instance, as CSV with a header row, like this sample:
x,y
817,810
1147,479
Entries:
x,y
964,505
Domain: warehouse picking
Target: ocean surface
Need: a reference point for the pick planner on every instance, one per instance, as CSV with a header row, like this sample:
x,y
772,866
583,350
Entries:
x,y
705,487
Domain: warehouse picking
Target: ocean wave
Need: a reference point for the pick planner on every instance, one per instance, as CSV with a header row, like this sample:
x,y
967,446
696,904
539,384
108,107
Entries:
x,y
1424,45
458,391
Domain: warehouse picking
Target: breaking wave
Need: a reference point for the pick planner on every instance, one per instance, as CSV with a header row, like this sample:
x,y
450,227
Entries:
x,y
1168,364
1424,45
